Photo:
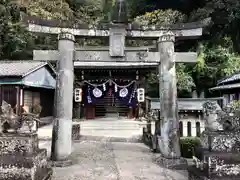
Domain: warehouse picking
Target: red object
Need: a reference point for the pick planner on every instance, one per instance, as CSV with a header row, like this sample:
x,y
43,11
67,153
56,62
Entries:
x,y
110,92
90,112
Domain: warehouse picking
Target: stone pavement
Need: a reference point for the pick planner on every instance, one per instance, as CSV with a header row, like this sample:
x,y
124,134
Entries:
x,y
103,157
105,160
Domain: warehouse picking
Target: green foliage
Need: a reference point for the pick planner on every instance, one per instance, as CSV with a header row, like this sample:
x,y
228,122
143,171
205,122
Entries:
x,y
164,18
236,104
51,9
218,49
15,41
160,17
189,146
214,62
37,108
184,81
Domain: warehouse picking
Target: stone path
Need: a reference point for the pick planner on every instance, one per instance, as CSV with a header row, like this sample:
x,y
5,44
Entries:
x,y
99,156
105,160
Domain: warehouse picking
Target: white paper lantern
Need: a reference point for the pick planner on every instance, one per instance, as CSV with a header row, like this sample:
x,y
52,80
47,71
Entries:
x,y
140,95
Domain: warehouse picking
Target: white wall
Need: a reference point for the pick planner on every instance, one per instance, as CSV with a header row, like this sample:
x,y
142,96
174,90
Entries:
x,y
193,120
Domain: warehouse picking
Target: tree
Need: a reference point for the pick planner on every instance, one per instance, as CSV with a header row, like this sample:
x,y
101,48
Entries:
x,y
214,62
15,41
166,17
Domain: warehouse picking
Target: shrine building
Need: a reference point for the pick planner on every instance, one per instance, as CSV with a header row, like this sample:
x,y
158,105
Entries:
x,y
110,88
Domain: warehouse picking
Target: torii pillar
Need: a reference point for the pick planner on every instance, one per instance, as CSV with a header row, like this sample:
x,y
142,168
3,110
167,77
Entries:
x,y
169,144
63,101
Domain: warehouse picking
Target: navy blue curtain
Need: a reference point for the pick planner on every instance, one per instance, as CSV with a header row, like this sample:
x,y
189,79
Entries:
x,y
126,94
94,93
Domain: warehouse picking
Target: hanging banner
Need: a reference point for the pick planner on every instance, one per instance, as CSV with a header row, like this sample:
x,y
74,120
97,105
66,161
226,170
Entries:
x,y
126,94
95,92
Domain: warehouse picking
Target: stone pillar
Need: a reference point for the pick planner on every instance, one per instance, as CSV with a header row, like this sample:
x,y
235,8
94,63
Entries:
x,y
169,144
62,130
202,94
194,94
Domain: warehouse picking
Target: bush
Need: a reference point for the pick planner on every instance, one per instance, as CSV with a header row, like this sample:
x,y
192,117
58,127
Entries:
x,y
36,109
189,146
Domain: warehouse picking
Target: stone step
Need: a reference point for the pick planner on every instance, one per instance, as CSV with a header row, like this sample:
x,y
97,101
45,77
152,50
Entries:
x,y
110,127
113,133
133,139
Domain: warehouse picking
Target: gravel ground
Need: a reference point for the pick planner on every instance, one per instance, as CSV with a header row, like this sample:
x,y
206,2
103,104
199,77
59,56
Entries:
x,y
105,160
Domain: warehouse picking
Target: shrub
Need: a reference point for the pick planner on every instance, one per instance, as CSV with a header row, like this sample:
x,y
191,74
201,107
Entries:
x,y
36,109
189,146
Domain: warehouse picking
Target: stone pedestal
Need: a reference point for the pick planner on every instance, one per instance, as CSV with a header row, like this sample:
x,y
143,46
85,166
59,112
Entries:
x,y
76,131
62,130
219,155
20,158
171,163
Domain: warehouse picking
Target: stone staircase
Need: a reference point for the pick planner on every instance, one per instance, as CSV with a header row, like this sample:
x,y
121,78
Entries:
x,y
113,128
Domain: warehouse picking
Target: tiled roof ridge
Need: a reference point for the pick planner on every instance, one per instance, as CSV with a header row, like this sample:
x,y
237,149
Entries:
x,y
14,61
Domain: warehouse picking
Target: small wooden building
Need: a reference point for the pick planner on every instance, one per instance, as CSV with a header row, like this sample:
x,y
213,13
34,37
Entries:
x,y
191,121
229,88
25,83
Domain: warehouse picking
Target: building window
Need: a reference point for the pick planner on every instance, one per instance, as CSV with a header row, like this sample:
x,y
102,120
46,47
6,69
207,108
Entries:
x,y
189,129
180,128
198,129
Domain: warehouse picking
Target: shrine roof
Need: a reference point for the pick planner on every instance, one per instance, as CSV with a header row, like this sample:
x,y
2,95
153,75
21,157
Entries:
x,y
19,68
185,104
225,87
94,65
229,79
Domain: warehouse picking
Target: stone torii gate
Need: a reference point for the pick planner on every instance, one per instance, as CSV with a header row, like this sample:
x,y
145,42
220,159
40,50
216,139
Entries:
x,y
67,56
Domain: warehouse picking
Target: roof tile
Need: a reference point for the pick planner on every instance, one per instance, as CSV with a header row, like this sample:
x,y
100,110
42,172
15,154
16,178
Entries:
x,y
18,68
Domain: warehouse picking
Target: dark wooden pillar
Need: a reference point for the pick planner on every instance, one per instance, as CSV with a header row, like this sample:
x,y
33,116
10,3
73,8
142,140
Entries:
x,y
130,113
90,111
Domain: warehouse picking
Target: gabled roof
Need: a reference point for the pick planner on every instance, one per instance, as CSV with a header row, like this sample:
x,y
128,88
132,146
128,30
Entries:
x,y
186,104
118,65
227,86
19,68
228,79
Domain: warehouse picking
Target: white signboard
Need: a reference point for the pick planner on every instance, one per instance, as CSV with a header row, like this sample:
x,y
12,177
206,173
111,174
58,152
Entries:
x,y
78,95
